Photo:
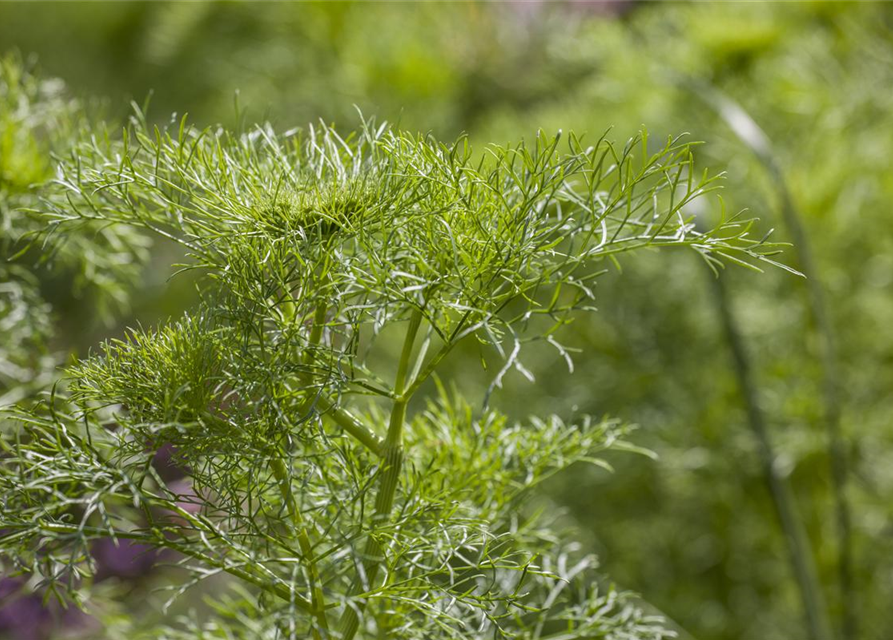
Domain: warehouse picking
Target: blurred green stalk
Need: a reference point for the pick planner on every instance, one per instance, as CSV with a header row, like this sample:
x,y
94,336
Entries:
x,y
799,548
752,136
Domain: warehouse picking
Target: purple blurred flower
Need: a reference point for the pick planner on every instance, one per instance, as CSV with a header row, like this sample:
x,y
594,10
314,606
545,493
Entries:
x,y
188,498
23,615
167,464
122,559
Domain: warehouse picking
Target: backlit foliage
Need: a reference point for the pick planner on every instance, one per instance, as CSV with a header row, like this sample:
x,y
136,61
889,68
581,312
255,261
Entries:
x,y
346,493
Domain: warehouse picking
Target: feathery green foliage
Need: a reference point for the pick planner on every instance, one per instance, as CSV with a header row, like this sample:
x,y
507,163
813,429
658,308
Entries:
x,y
337,508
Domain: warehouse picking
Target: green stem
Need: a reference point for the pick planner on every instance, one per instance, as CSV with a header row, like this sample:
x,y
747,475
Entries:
x,y
442,353
750,133
319,322
283,480
339,416
392,452
429,368
799,548
317,601
352,425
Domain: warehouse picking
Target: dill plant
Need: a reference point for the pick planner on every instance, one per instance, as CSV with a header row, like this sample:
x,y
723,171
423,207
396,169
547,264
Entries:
x,y
348,495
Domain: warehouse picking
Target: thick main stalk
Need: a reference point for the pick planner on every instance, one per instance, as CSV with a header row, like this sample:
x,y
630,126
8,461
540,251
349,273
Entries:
x,y
392,464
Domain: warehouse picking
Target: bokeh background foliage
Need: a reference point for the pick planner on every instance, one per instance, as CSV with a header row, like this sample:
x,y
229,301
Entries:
x,y
694,531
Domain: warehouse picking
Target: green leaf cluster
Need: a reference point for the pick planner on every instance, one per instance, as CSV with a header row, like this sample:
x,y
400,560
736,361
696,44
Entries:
x,y
341,507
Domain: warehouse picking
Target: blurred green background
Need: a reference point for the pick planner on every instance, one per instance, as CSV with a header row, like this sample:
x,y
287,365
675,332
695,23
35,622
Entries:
x,y
694,532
